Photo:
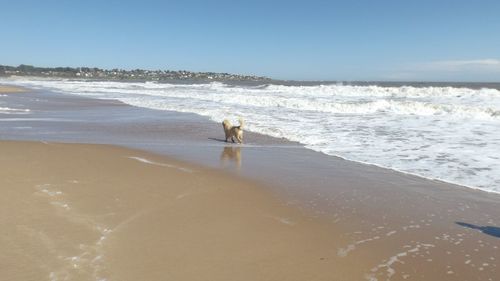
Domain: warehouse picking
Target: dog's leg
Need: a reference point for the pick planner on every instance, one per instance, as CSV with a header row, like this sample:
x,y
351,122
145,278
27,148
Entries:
x,y
232,139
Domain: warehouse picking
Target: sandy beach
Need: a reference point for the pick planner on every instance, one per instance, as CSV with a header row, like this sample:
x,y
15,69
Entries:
x,y
96,212
5,89
160,197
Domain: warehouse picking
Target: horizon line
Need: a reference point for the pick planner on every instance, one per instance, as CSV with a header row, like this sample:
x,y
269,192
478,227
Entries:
x,y
267,77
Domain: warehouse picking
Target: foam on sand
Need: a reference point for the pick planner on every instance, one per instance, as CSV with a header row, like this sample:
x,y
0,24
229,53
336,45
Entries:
x,y
143,160
387,267
8,110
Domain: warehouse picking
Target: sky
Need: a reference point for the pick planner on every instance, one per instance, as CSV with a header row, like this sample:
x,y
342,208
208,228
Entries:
x,y
398,40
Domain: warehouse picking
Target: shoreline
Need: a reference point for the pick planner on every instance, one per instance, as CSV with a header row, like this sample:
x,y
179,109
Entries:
x,y
6,89
399,135
375,213
441,181
270,141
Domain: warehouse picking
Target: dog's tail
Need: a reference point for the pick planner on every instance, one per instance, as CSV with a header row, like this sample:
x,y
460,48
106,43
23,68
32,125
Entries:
x,y
242,123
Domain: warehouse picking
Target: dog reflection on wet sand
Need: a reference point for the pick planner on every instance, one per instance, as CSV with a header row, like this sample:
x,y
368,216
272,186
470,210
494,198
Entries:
x,y
231,154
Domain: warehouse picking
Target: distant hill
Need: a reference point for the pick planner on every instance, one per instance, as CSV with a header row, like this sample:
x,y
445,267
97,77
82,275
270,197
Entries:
x,y
121,74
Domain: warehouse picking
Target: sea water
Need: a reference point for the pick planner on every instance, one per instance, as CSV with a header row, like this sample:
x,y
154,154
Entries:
x,y
438,132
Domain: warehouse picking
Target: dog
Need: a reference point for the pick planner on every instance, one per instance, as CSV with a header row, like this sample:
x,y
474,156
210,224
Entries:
x,y
232,132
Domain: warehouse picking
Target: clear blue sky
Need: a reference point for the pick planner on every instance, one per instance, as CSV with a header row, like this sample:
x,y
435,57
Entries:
x,y
305,40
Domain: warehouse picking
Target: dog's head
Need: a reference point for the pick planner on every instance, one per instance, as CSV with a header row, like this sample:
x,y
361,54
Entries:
x,y
226,124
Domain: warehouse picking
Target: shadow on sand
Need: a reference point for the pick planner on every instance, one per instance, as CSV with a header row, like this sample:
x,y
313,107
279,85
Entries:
x,y
489,230
216,139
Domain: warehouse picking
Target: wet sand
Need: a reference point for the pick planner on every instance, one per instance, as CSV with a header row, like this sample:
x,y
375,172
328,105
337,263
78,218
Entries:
x,y
5,89
390,225
97,212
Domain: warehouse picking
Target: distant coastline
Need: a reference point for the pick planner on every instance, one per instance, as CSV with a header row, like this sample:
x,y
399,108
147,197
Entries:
x,y
123,75
192,77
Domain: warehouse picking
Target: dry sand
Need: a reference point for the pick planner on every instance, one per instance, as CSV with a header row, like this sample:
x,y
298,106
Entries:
x,y
97,212
5,89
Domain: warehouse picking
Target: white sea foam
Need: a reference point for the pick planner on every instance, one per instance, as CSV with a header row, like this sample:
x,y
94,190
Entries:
x,y
446,133
7,110
342,252
143,160
386,268
88,260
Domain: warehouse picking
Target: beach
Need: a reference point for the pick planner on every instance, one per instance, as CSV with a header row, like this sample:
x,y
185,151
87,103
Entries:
x,y
11,89
97,212
100,190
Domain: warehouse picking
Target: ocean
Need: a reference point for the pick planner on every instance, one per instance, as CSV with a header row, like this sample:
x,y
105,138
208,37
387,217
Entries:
x,y
448,132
